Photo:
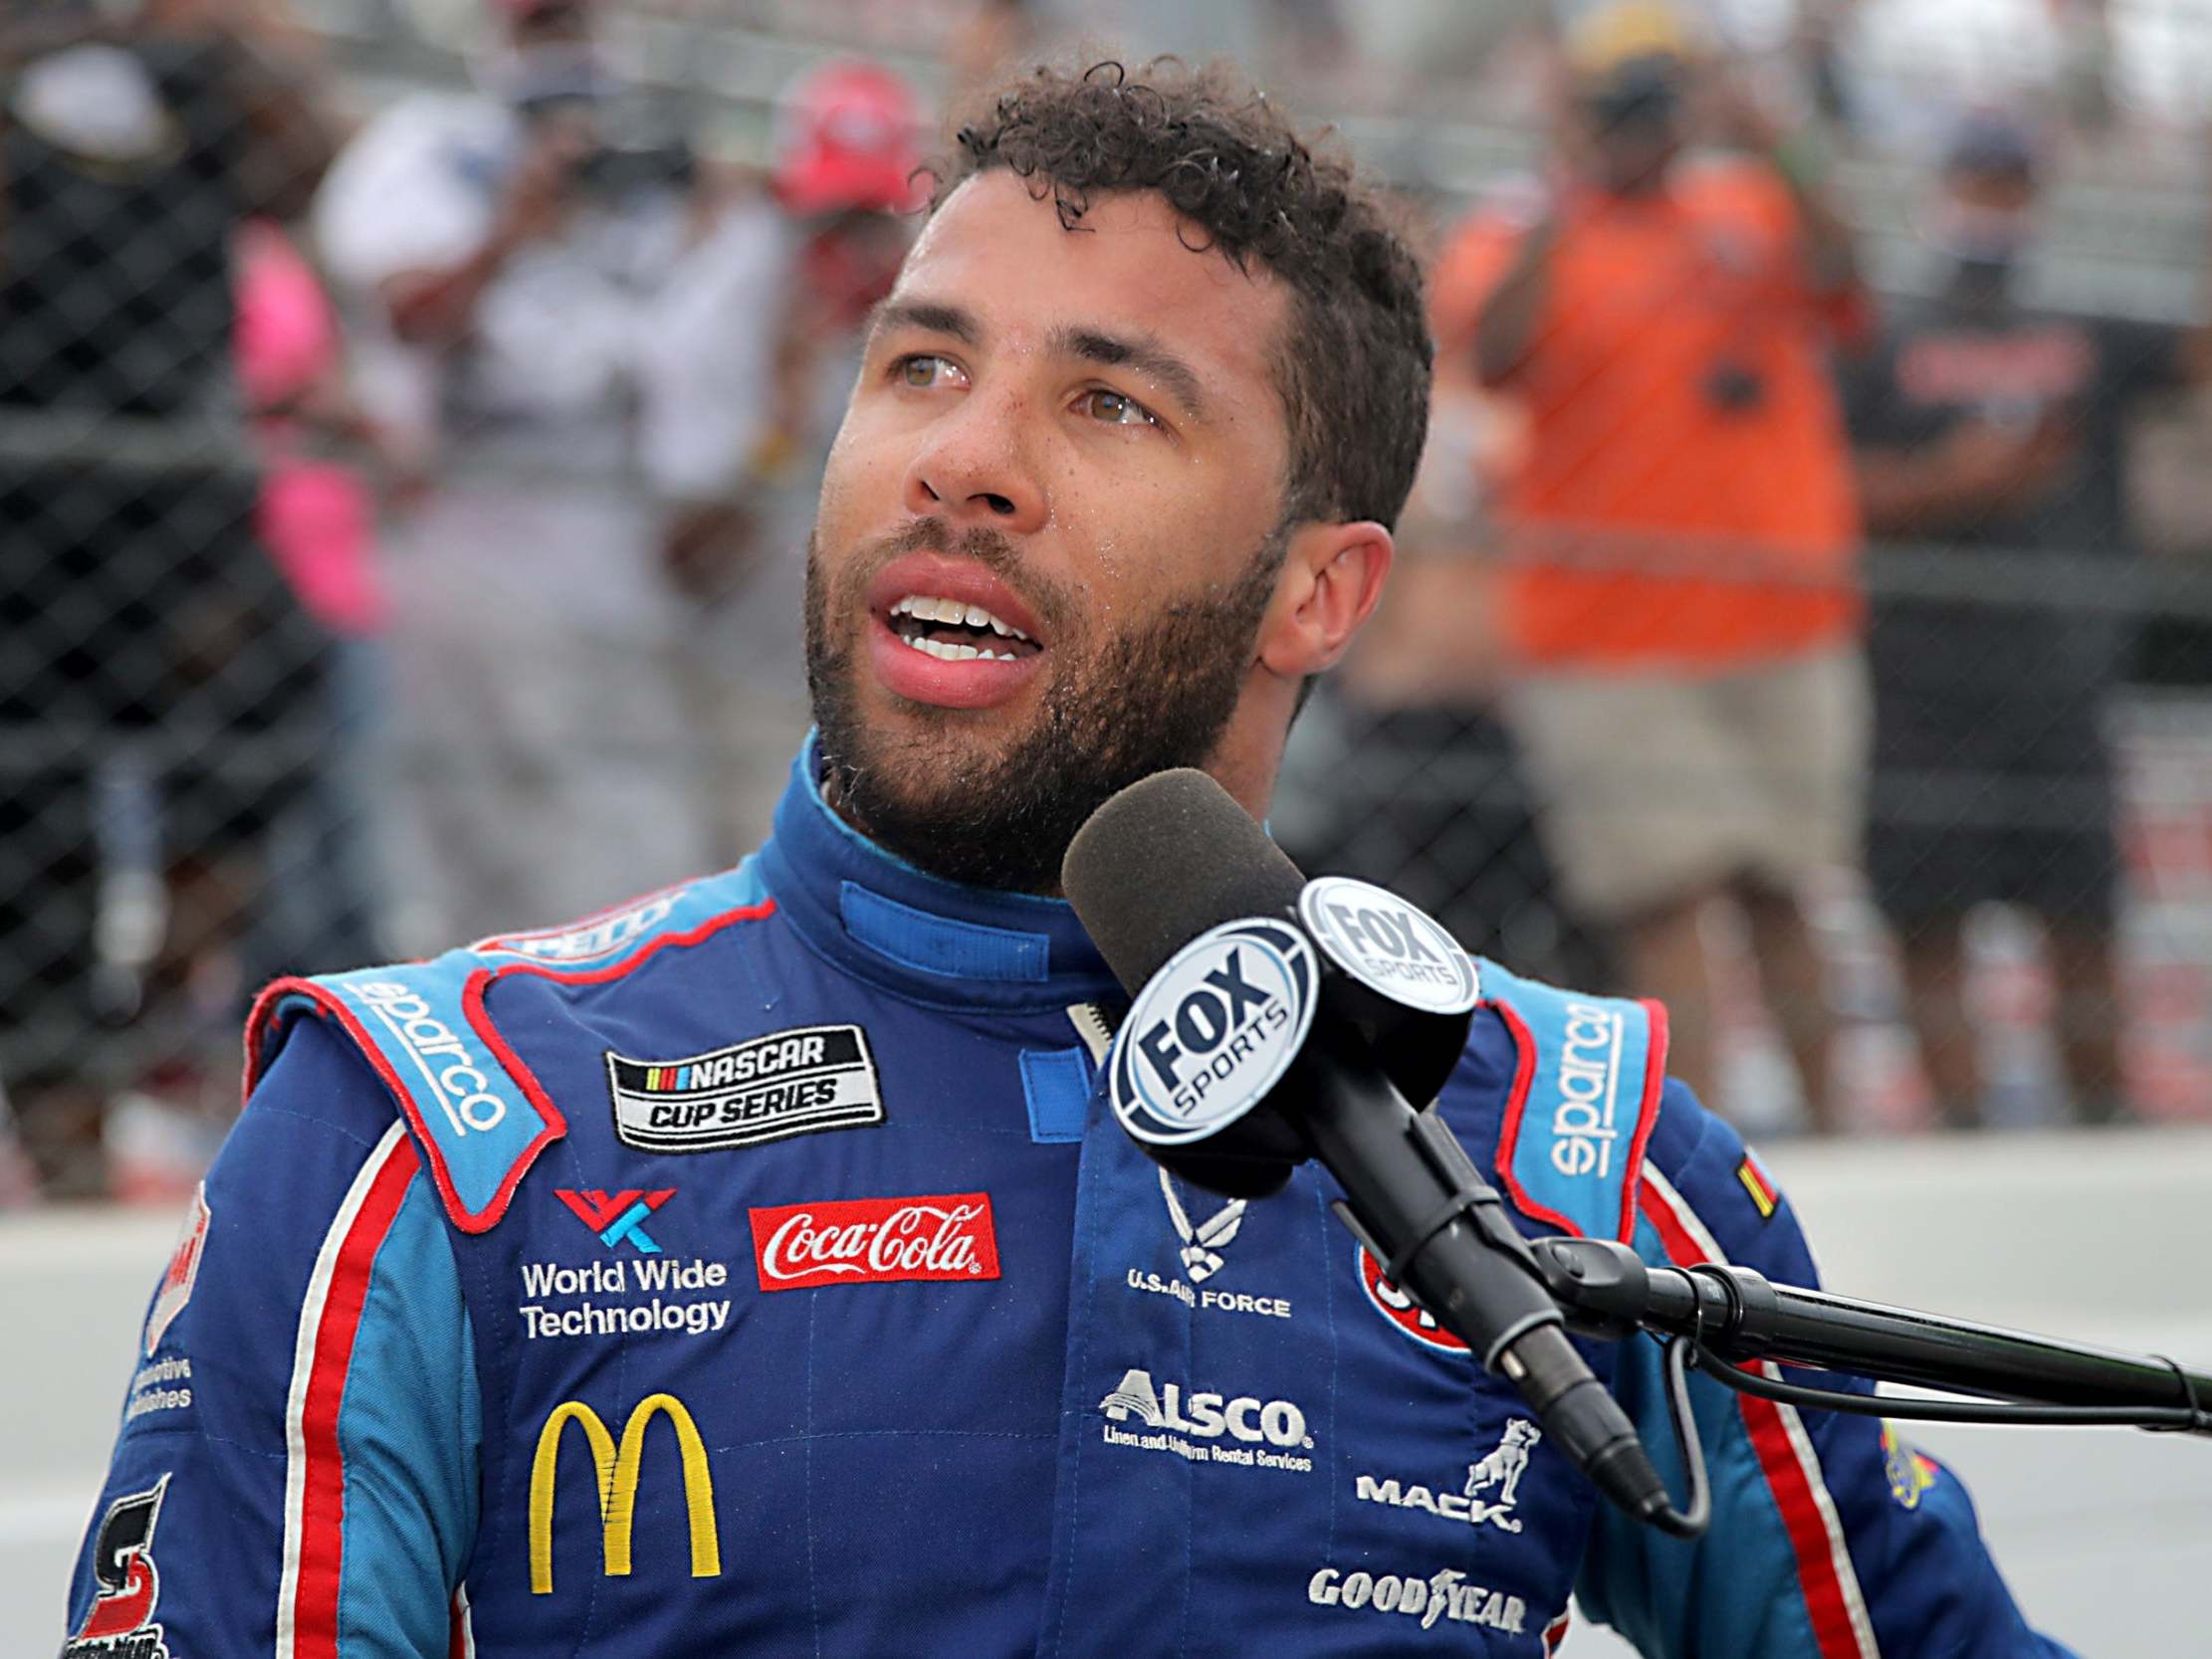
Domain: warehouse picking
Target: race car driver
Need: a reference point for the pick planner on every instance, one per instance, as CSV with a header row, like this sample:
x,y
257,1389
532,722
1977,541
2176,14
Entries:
x,y
752,1268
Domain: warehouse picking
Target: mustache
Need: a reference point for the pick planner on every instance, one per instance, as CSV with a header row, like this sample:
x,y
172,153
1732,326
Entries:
x,y
993,551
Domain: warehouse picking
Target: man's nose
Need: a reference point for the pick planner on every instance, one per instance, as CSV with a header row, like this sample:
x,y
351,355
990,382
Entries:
x,y
975,469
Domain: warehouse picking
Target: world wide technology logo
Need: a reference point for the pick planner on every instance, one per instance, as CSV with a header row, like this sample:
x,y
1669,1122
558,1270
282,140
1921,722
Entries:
x,y
618,1218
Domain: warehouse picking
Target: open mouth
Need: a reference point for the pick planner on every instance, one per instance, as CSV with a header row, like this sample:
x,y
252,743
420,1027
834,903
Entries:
x,y
954,631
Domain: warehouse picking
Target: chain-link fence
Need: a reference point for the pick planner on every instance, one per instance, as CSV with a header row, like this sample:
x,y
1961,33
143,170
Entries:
x,y
409,414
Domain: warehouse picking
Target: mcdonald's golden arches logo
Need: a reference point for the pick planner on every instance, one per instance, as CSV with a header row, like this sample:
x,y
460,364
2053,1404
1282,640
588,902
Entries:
x,y
617,1472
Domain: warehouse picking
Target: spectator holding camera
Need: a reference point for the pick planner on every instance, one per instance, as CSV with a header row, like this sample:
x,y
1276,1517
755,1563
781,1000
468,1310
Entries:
x,y
1986,424
1679,599
578,323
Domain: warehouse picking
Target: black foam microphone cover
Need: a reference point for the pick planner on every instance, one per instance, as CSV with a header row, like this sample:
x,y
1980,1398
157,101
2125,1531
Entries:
x,y
1165,859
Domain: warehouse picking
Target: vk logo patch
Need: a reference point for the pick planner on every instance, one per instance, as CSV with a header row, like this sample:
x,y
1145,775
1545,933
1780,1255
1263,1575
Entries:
x,y
617,1216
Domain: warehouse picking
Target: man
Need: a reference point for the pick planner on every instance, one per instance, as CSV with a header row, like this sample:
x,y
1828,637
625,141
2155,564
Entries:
x,y
1995,426
1679,601
577,326
753,1269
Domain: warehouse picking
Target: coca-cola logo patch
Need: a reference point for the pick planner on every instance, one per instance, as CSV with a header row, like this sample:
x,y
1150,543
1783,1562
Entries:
x,y
871,1241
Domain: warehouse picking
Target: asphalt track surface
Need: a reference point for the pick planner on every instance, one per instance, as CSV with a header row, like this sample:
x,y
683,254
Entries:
x,y
2104,1534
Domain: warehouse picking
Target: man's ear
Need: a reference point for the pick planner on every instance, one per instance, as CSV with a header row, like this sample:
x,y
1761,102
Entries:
x,y
1331,579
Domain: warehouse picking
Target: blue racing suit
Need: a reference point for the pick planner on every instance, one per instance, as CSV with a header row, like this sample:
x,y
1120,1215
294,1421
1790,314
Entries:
x,y
754,1269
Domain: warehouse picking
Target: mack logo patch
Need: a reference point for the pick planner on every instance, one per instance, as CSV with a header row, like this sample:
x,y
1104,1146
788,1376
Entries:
x,y
183,1271
1389,945
1488,1497
797,1082
1212,1031
868,1241
1402,1309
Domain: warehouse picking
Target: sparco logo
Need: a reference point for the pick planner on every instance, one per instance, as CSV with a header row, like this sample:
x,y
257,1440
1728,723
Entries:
x,y
874,1240
1212,1031
1389,945
456,1073
595,935
1588,1077
1441,1595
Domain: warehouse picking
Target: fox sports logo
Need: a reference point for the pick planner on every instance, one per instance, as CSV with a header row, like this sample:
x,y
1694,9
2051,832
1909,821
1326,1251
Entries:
x,y
1213,1032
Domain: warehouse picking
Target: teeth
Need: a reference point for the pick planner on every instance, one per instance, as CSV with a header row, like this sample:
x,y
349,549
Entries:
x,y
928,608
959,652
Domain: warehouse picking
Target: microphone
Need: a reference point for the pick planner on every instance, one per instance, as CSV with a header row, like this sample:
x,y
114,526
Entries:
x,y
1248,1049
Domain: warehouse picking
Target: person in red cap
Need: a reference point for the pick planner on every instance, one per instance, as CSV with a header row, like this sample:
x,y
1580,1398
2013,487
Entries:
x,y
593,343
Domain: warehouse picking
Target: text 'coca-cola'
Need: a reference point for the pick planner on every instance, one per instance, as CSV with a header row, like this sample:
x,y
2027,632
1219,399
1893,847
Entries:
x,y
866,1241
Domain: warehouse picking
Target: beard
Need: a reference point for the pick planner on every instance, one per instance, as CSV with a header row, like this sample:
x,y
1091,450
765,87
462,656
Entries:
x,y
1117,709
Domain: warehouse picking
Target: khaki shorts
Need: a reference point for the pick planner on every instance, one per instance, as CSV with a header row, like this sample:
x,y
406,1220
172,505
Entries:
x,y
1652,788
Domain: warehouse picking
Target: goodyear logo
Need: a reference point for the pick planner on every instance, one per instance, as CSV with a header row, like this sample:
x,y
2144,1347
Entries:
x,y
616,1467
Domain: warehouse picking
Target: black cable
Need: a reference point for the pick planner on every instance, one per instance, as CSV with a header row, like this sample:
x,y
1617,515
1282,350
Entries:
x,y
1947,1411
2190,1416
2200,1418
1689,1523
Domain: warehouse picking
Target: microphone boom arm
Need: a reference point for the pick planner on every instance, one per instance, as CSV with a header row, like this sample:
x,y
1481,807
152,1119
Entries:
x,y
1732,1315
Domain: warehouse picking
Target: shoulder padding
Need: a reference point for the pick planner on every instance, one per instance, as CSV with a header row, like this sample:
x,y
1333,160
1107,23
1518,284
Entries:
x,y
1585,1096
479,1113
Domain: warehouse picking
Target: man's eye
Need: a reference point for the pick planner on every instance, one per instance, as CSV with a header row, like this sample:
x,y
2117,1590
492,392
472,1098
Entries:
x,y
1116,410
924,370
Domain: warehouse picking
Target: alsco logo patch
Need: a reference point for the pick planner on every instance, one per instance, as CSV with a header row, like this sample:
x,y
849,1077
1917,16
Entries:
x,y
617,1216
797,1082
868,1241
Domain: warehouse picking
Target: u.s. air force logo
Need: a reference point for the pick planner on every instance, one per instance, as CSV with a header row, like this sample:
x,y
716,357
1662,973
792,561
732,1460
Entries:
x,y
797,1082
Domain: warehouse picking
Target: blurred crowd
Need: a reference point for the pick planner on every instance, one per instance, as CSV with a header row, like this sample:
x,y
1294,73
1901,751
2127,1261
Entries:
x,y
406,468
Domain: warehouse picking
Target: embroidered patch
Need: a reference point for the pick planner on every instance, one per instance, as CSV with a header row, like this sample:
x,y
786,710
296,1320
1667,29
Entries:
x,y
183,1271
1764,1196
1401,1309
1910,1473
869,1241
797,1082
119,1624
618,1218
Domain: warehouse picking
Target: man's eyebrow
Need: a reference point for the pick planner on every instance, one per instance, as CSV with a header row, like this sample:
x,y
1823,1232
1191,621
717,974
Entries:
x,y
1141,352
930,316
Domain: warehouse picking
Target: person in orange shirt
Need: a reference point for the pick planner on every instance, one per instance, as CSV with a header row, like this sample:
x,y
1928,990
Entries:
x,y
1679,601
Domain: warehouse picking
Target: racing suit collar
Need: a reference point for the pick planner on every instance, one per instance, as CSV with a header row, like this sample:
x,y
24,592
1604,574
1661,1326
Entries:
x,y
879,917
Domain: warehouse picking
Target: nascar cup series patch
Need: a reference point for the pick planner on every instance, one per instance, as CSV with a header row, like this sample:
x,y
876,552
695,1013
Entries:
x,y
1213,1032
797,1082
1389,945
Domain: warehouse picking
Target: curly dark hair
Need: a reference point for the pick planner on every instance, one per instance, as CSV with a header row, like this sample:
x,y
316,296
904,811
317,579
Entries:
x,y
1354,365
